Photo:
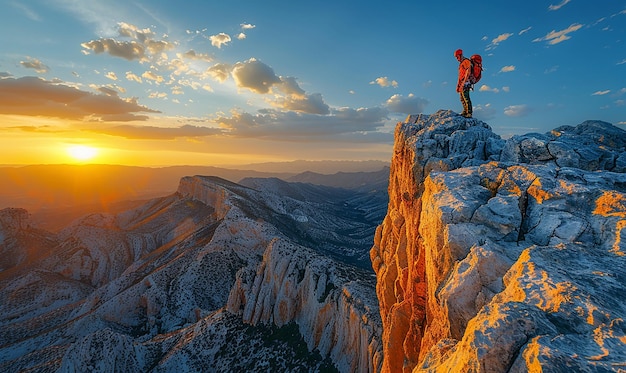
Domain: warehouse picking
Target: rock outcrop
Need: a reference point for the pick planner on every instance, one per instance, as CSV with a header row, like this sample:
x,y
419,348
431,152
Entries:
x,y
503,255
336,315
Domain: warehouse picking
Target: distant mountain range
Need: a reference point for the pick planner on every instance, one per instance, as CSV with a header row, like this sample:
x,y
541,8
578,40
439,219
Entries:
x,y
66,192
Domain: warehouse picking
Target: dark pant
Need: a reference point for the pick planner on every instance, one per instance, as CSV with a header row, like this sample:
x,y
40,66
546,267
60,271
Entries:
x,y
465,100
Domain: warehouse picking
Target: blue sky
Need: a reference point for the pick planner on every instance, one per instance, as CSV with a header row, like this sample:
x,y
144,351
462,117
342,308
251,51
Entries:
x,y
207,82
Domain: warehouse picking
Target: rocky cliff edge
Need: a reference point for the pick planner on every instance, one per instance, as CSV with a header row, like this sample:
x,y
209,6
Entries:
x,y
503,255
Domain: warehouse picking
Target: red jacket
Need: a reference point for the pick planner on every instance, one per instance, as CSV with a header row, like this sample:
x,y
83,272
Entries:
x,y
464,73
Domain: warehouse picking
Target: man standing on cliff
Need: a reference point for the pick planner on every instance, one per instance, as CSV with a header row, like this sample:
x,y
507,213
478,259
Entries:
x,y
464,85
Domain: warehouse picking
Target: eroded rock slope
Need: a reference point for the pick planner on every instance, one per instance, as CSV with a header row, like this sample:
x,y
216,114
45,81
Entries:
x,y
216,277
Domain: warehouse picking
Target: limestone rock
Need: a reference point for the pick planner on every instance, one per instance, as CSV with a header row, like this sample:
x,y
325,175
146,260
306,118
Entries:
x,y
336,316
506,257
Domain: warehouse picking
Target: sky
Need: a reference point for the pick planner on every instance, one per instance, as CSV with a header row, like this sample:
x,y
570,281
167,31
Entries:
x,y
203,82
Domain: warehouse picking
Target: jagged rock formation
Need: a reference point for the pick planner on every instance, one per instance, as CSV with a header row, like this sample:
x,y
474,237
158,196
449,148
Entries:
x,y
503,256
216,277
332,311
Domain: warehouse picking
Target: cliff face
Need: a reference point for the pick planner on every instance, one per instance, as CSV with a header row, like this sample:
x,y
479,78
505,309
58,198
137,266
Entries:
x,y
502,255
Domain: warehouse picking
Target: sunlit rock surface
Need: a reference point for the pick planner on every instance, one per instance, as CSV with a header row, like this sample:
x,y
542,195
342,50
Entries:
x,y
503,255
217,277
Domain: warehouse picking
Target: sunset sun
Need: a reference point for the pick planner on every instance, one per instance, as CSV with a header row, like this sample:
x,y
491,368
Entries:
x,y
82,153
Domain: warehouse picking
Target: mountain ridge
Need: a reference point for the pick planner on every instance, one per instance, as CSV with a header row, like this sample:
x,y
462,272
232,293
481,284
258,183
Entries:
x,y
170,277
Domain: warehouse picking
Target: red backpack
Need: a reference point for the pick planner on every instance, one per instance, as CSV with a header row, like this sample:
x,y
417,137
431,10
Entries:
x,y
476,68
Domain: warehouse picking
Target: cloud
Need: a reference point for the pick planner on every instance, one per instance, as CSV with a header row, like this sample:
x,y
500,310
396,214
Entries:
x,y
219,72
132,77
601,93
311,104
192,55
516,110
109,91
260,78
33,63
484,112
135,33
254,75
295,98
383,81
111,75
507,69
151,75
495,42
34,96
247,26
406,105
130,50
241,36
558,6
219,39
555,37
622,62
486,88
142,45
524,30
343,124
157,133
501,38
162,95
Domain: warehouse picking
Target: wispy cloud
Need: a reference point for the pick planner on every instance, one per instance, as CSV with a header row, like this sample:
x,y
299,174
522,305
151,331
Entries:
x,y
516,110
558,6
524,30
384,81
555,37
28,12
601,93
157,133
99,13
622,62
507,69
499,39
343,124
